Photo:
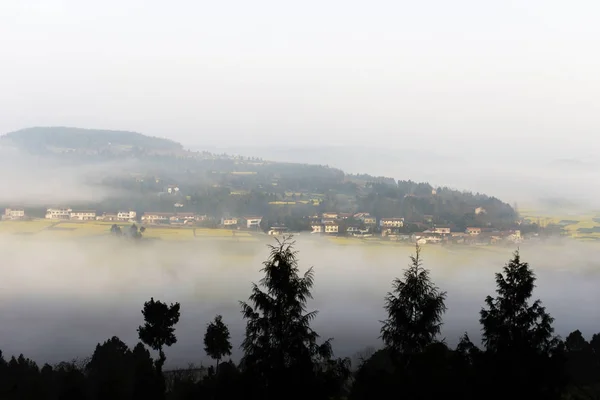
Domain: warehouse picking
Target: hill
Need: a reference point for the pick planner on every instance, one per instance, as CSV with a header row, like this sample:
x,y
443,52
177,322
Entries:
x,y
219,185
65,139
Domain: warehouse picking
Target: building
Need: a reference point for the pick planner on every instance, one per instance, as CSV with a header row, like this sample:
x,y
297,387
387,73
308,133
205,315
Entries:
x,y
473,230
277,230
14,213
480,210
83,215
391,222
58,213
317,228
111,217
229,222
441,230
128,216
331,227
172,189
156,217
182,218
253,222
366,218
371,221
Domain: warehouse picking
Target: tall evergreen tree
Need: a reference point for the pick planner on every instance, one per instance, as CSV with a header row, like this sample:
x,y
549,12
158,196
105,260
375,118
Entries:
x,y
510,323
280,347
415,308
523,357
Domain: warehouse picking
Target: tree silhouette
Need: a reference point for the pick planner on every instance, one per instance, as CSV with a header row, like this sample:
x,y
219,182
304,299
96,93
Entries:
x,y
280,348
415,308
523,356
110,370
115,230
159,327
216,340
510,323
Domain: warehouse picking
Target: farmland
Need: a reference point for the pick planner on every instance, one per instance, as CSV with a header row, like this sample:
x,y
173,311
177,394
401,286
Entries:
x,y
69,229
582,225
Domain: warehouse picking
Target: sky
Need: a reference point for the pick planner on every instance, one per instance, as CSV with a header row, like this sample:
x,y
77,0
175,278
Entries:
x,y
452,77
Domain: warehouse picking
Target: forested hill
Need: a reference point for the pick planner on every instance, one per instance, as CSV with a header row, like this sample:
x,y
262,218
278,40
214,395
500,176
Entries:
x,y
65,139
221,184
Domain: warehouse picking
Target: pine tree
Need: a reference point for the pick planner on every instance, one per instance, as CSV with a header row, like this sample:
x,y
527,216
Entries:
x,y
510,323
280,347
415,308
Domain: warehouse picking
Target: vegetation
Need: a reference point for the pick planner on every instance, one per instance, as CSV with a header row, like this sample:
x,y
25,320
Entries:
x,y
283,358
219,185
216,340
415,310
44,139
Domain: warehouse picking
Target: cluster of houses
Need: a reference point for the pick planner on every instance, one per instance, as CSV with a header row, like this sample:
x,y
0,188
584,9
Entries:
x,y
89,215
361,225
364,225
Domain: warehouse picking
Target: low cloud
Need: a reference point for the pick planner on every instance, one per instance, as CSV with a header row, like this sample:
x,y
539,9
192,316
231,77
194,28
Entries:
x,y
59,298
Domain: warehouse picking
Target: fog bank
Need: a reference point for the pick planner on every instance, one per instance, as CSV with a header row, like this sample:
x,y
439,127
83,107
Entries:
x,y
60,298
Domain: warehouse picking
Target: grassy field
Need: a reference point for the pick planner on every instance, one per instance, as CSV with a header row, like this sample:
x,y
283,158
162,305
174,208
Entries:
x,y
70,229
584,225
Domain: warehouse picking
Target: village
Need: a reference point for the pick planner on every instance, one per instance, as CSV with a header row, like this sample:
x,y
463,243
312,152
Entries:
x,y
354,225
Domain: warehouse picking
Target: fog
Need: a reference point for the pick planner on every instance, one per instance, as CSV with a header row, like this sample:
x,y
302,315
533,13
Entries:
x,y
59,298
29,180
518,175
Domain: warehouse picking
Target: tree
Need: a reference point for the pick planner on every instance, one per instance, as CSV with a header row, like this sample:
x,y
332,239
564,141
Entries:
x,y
158,329
116,230
110,370
510,323
523,358
415,308
216,340
280,348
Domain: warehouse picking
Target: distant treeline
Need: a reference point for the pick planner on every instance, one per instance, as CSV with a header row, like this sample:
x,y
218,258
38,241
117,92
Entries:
x,y
284,358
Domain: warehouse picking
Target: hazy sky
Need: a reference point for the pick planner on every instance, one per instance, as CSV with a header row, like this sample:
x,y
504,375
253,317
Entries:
x,y
467,73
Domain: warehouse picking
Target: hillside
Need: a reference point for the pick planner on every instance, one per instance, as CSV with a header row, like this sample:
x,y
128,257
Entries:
x,y
219,184
64,139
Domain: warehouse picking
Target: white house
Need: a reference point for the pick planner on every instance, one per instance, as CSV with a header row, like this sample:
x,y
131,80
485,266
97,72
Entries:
x,y
128,216
14,213
253,222
391,222
442,230
317,228
172,189
331,227
83,215
183,218
471,230
229,222
58,213
156,217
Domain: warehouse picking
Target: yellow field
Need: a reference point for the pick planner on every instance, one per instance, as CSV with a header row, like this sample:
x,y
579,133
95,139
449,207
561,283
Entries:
x,y
70,229
581,220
